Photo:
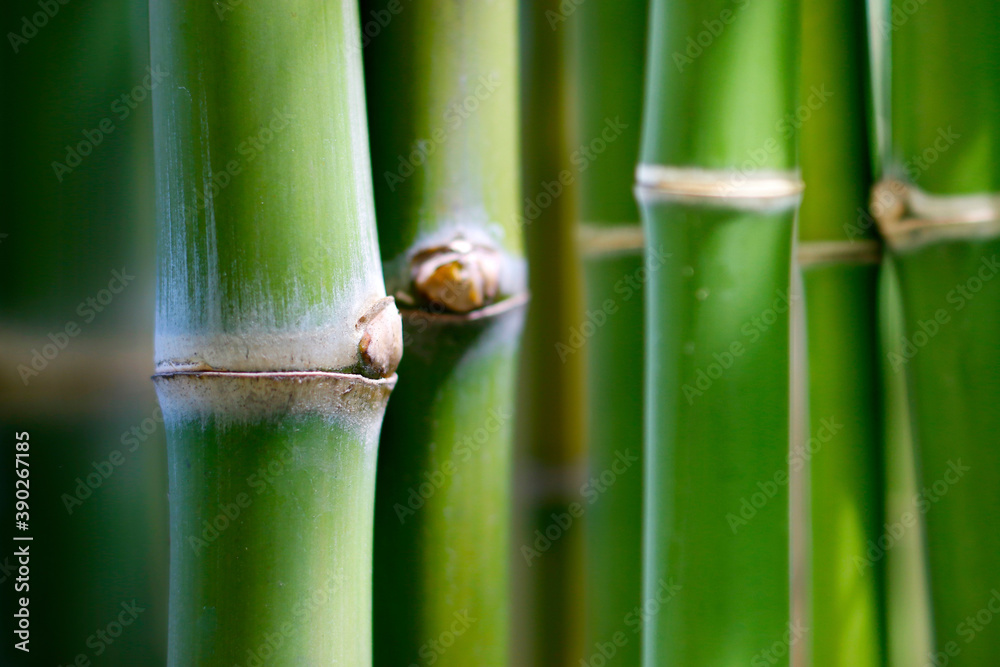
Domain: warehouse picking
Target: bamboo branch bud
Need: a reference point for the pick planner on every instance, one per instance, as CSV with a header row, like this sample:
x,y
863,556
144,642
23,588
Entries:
x,y
460,276
381,344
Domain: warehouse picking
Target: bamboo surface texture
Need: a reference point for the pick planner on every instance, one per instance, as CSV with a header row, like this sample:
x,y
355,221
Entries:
x,y
551,426
838,256
718,188
275,342
609,52
938,207
442,85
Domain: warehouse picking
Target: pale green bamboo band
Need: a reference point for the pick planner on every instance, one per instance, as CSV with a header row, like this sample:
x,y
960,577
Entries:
x,y
817,253
909,218
598,240
243,397
374,342
755,189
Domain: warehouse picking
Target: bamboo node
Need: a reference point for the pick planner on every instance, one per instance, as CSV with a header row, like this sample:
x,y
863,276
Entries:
x,y
459,277
730,187
908,218
381,344
595,240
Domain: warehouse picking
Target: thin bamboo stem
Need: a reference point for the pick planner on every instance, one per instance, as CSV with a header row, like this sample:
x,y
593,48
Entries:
x,y
551,463
609,55
908,622
838,259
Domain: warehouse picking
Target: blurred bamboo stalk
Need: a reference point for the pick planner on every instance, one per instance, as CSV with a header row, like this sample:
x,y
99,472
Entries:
x,y
938,208
718,187
548,556
908,622
608,61
447,193
77,198
275,343
839,263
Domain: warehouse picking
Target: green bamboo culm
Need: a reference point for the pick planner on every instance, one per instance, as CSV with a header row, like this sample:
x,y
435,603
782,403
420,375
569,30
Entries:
x,y
907,611
275,343
549,574
445,170
939,209
838,256
718,188
609,55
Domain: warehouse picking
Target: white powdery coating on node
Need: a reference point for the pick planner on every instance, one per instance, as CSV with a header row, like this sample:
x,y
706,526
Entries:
x,y
228,399
243,308
293,329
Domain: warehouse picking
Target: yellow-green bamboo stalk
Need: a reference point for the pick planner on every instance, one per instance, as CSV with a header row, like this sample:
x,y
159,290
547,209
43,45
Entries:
x,y
275,342
551,463
442,86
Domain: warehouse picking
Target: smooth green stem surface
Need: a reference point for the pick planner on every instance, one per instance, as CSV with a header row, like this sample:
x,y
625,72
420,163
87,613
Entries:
x,y
614,516
722,89
842,454
908,622
716,512
271,520
943,97
551,420
841,450
949,352
833,124
443,511
729,104
609,54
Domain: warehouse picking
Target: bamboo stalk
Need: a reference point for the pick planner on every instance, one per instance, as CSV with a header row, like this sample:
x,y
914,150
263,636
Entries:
x,y
937,207
551,438
718,187
275,343
839,264
447,195
609,54
98,529
908,622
